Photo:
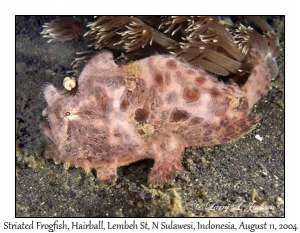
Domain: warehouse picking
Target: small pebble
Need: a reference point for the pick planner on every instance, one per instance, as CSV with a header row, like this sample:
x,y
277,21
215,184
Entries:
x,y
264,173
258,137
279,201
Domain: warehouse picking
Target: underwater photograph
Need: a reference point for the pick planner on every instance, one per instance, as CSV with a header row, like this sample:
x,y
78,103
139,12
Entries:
x,y
150,116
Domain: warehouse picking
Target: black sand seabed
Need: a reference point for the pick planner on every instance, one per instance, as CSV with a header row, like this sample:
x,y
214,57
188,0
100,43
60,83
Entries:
x,y
217,179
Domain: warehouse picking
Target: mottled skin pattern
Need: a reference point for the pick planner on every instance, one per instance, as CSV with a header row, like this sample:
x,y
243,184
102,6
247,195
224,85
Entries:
x,y
151,108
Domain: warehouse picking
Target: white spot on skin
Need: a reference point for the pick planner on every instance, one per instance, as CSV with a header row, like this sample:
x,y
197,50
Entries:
x,y
117,119
116,97
73,116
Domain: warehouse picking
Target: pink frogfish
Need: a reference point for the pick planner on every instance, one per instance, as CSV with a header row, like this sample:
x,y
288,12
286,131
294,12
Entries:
x,y
148,109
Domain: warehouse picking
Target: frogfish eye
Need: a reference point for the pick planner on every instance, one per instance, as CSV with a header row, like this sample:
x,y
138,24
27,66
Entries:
x,y
68,114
